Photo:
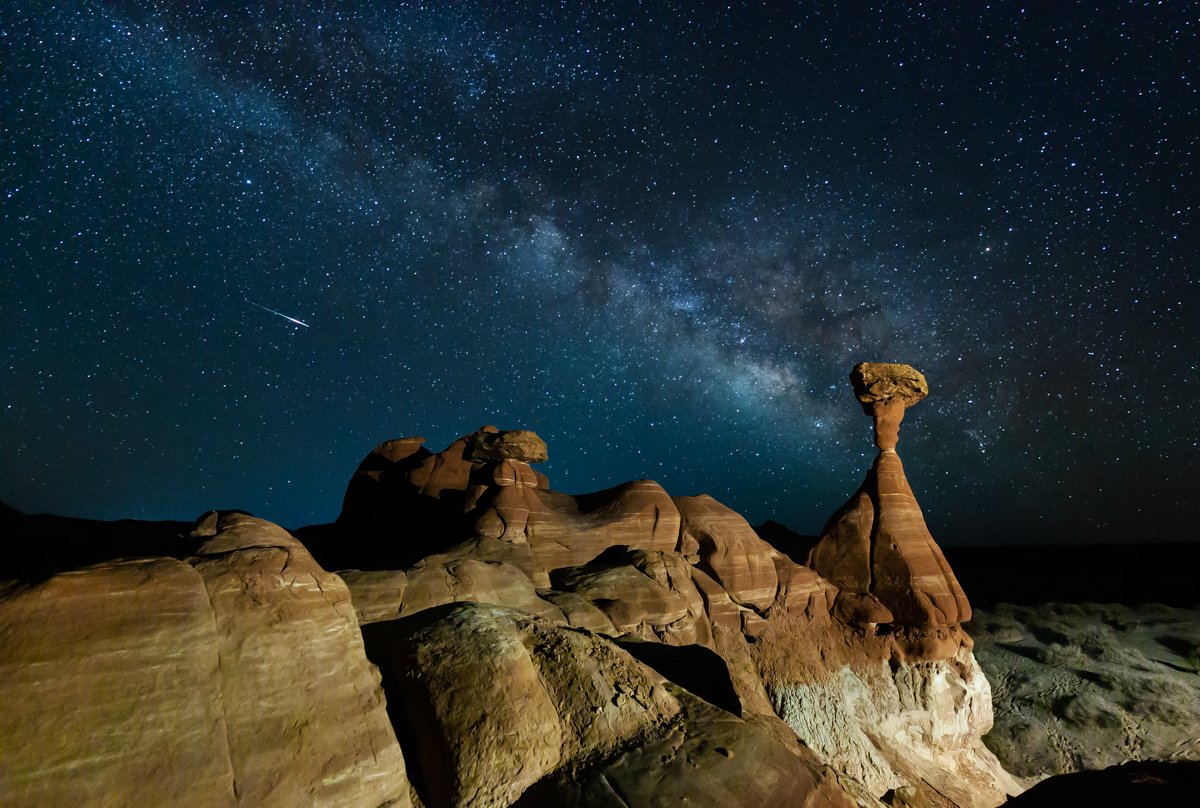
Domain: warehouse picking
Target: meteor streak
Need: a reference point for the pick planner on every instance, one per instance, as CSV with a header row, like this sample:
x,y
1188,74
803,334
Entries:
x,y
279,313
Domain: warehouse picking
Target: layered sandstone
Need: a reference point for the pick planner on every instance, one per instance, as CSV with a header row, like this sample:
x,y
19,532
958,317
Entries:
x,y
728,550
537,648
878,544
110,676
897,701
236,679
876,649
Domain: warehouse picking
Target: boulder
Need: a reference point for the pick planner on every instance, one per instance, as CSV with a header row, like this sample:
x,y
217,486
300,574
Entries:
x,y
514,444
706,757
503,502
494,700
886,721
558,717
721,609
401,504
476,570
881,381
885,390
582,613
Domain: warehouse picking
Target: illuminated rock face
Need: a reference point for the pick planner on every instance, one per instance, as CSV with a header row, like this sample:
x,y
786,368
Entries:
x,y
236,679
877,544
109,676
894,725
564,718
536,648
872,646
304,715
729,550
902,701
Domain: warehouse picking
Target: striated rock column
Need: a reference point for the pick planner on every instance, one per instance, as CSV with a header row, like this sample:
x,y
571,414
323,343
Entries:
x,y
907,706
877,543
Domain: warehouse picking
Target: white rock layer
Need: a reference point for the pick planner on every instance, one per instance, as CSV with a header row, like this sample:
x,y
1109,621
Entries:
x,y
891,726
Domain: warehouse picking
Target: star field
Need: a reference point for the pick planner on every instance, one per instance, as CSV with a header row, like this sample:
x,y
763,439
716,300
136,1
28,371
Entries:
x,y
659,234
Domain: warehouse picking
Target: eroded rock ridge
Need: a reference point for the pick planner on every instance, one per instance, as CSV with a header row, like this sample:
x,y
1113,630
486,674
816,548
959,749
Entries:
x,y
492,642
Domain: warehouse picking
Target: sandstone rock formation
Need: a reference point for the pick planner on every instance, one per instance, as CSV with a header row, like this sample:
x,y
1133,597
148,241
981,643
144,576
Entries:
x,y
110,675
537,649
236,679
412,503
557,717
729,551
646,593
897,701
877,543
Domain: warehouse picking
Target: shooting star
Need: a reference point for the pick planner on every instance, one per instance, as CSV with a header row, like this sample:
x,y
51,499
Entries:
x,y
279,313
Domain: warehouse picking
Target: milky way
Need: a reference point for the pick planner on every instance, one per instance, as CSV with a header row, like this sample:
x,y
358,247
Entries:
x,y
659,235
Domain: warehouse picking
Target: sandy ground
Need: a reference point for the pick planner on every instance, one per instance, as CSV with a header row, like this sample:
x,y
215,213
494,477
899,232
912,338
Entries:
x,y
1085,686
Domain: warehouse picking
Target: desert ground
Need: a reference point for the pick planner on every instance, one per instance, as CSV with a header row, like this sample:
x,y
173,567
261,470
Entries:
x,y
1086,686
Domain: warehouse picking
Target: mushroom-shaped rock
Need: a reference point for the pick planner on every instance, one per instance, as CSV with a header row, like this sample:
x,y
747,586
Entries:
x,y
881,381
885,390
878,542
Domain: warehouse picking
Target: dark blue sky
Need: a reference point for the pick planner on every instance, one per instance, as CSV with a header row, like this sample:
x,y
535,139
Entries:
x,y
660,235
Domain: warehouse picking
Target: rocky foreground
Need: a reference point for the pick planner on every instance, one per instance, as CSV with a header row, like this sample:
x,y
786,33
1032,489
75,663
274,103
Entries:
x,y
1087,686
491,642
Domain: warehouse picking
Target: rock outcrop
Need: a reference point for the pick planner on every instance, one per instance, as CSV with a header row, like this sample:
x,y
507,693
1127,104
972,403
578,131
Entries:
x,y
537,648
889,692
236,679
510,710
109,676
877,543
729,551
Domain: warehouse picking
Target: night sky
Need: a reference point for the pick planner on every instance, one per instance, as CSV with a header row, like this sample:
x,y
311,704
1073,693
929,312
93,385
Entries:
x,y
659,234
